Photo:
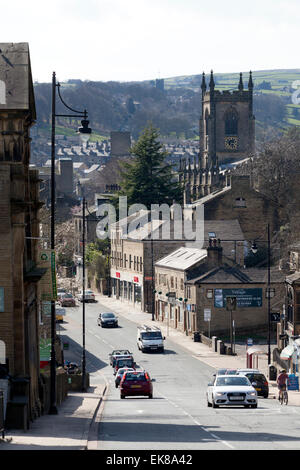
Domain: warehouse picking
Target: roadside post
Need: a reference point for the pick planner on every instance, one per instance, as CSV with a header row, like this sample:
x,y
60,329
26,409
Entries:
x,y
230,306
207,317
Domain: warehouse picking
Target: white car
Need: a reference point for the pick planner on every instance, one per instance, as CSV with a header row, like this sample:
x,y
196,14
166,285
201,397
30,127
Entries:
x,y
231,390
89,296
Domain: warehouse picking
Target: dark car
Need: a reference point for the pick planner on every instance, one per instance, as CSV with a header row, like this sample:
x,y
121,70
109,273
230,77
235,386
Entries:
x,y
120,374
135,384
259,382
117,354
126,362
107,319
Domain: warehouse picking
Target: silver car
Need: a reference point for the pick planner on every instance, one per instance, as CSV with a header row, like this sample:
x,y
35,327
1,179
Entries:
x,y
229,390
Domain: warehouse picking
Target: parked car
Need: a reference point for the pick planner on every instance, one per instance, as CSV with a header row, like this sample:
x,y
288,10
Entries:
x,y
124,362
89,296
120,373
135,384
117,353
225,372
59,313
107,319
229,390
67,300
60,292
258,381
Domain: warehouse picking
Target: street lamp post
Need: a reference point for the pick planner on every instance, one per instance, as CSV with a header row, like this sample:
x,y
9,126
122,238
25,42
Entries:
x,y
84,132
254,250
83,364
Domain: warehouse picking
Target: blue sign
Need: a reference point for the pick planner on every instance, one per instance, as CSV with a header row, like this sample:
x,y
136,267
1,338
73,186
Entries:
x,y
293,382
244,297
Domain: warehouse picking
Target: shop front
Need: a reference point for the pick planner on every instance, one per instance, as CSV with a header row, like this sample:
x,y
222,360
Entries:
x,y
127,288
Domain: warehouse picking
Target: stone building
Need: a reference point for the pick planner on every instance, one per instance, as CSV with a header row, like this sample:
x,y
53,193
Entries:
x,y
137,244
226,134
19,230
239,200
202,281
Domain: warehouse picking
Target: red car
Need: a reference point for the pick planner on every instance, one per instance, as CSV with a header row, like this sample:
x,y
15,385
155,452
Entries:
x,y
136,383
67,300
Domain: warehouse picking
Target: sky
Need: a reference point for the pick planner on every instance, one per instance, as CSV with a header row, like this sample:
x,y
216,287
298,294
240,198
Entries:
x,y
135,40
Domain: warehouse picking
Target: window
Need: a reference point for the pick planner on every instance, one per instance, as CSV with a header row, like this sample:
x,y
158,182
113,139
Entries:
x,y
240,202
181,284
209,293
172,282
231,122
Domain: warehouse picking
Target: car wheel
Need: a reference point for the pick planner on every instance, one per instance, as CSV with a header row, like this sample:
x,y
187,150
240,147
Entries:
x,y
208,404
266,395
122,396
214,405
116,385
150,395
247,406
254,406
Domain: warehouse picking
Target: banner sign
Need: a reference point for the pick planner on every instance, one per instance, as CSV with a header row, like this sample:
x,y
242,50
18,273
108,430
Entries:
x,y
244,297
47,283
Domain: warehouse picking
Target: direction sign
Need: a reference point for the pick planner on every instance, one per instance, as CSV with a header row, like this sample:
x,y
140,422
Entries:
x,y
207,314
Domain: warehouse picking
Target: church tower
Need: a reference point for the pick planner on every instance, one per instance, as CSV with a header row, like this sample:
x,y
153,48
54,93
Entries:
x,y
226,134
227,123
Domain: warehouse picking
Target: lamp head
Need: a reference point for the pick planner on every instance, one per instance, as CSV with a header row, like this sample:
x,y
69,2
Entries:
x,y
84,131
254,248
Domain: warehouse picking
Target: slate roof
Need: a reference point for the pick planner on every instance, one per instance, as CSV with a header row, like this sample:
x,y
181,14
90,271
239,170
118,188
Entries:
x,y
183,258
16,87
233,275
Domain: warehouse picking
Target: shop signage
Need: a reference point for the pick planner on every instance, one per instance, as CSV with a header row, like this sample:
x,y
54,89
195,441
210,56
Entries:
x,y
244,297
118,275
135,279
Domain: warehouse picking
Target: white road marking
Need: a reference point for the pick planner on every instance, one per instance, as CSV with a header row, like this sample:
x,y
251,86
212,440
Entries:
x,y
197,422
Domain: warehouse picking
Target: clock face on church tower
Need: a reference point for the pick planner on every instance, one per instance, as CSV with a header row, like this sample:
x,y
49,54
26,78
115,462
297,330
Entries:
x,y
231,143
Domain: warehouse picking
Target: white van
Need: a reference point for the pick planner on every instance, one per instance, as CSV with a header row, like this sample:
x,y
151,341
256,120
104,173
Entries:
x,y
150,338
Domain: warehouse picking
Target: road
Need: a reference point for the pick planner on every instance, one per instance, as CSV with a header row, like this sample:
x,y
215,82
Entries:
x,y
177,418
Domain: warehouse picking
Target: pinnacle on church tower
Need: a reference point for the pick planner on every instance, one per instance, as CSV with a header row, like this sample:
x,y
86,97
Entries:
x,y
203,84
241,85
211,82
250,83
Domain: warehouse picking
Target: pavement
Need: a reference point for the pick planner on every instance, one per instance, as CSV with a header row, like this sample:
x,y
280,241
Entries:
x,y
75,425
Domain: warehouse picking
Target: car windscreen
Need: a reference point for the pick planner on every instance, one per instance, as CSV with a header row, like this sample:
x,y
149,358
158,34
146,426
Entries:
x,y
151,335
256,377
108,315
124,363
67,296
232,381
130,377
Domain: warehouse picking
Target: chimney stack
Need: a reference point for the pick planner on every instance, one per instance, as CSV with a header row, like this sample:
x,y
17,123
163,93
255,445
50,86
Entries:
x,y
214,253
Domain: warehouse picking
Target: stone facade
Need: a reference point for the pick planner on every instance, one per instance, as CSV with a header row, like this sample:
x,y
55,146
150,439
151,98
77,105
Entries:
x,y
19,226
238,200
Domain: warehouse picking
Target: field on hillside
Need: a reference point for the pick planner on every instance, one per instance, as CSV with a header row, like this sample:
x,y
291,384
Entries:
x,y
282,84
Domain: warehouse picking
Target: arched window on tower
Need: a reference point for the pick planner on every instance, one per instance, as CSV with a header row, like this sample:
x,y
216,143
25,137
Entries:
x,y
231,122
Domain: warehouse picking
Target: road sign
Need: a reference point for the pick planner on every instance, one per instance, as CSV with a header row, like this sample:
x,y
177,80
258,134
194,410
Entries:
x,y
275,317
207,314
249,342
230,303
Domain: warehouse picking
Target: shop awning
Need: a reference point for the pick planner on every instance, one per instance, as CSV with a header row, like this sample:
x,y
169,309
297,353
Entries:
x,y
287,352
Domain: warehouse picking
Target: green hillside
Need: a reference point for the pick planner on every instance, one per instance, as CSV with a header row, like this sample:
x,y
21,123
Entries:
x,y
281,84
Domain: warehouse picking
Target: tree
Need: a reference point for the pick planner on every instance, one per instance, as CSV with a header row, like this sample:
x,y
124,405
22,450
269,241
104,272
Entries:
x,y
147,179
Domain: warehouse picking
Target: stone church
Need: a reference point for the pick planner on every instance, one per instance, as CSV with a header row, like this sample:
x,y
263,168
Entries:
x,y
226,134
